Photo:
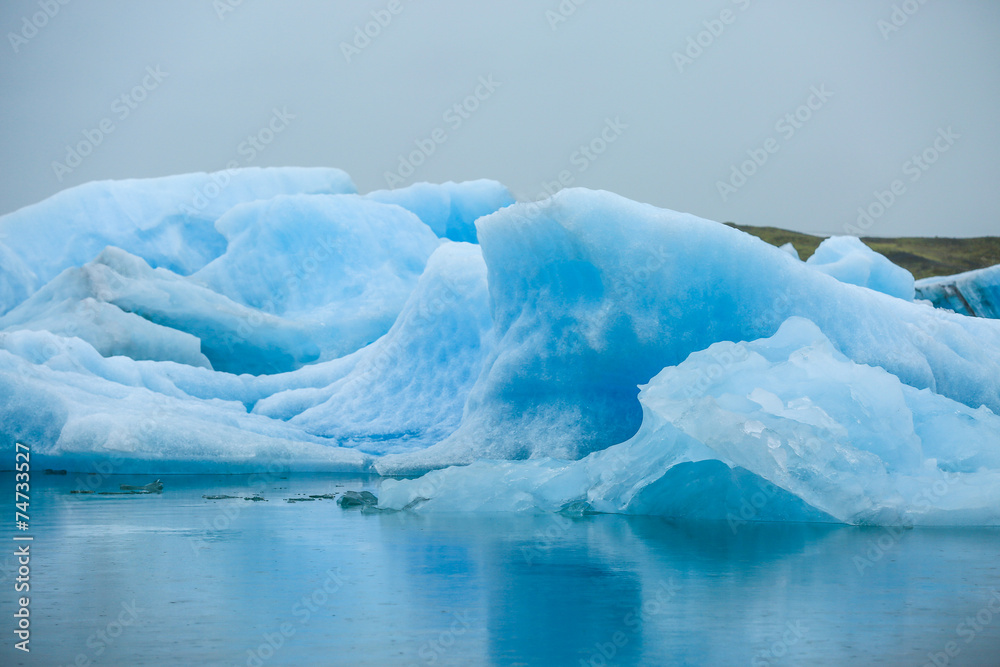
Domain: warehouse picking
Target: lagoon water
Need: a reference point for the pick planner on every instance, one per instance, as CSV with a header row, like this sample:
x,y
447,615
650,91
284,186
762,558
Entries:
x,y
178,579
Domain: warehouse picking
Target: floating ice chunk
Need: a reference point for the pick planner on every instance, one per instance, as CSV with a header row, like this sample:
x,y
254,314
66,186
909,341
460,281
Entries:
x,y
850,261
787,429
530,346
167,221
450,209
971,293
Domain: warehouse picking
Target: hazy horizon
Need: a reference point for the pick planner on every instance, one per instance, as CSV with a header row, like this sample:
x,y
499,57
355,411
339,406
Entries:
x,y
820,108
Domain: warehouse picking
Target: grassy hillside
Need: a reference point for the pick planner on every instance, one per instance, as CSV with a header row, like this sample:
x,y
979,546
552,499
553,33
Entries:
x,y
921,256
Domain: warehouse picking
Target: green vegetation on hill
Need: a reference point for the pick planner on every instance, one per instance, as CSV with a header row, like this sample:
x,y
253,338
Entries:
x,y
921,256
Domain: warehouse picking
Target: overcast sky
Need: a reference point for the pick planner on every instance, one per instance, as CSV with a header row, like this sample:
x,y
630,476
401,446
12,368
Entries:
x,y
820,107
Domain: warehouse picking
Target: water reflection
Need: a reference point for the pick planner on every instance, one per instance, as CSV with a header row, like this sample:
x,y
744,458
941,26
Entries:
x,y
239,582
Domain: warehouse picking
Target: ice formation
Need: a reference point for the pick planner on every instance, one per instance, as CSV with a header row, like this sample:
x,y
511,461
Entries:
x,y
760,430
260,318
81,411
450,209
849,260
408,388
974,293
593,294
167,221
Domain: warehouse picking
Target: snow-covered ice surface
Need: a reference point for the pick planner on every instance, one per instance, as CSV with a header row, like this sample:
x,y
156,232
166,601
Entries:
x,y
233,321
974,293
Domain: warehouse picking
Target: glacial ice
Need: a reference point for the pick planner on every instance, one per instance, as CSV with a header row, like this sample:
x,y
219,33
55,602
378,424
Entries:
x,y
974,293
302,253
322,275
167,221
338,268
850,261
593,294
374,399
282,321
760,430
382,401
449,209
337,277
85,412
65,307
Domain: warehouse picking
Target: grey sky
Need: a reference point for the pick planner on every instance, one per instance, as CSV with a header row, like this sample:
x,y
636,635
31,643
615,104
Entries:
x,y
679,133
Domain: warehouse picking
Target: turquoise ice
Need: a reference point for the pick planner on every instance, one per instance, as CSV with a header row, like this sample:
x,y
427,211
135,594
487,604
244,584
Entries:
x,y
581,353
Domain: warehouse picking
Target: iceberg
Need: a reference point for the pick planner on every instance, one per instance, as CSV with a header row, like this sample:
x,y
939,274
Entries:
x,y
325,320
583,353
975,293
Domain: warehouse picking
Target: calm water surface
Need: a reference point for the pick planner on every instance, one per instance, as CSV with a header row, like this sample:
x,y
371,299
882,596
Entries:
x,y
177,579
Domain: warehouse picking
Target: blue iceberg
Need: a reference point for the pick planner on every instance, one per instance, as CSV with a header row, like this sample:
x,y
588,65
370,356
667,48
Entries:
x,y
975,293
581,353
